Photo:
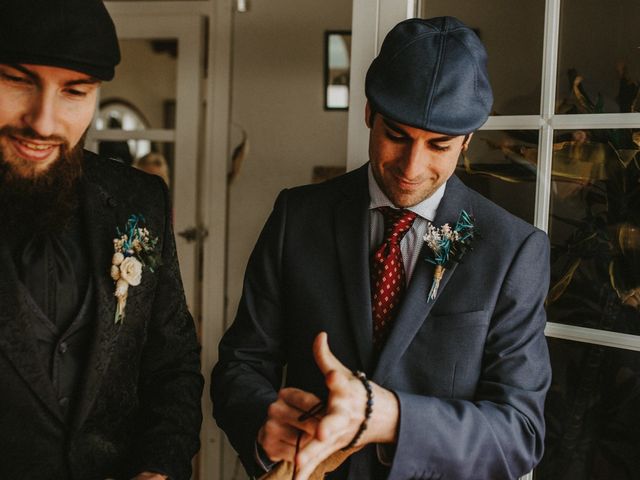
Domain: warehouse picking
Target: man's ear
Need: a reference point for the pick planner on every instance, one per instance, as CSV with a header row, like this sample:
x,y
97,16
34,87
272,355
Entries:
x,y
367,115
465,144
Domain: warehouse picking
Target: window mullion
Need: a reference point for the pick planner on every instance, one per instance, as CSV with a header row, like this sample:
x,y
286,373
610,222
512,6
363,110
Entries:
x,y
550,58
547,109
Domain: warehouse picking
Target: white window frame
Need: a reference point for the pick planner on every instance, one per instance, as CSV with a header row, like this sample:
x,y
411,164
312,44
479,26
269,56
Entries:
x,y
372,19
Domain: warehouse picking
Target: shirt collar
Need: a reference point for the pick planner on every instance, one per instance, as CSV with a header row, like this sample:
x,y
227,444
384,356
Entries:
x,y
426,209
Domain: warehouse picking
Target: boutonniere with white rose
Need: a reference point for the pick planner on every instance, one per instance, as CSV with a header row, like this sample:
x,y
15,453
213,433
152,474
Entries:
x,y
134,251
448,245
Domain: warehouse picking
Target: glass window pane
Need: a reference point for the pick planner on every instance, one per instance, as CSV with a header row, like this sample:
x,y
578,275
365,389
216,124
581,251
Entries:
x,y
143,92
501,165
595,230
592,414
599,57
513,35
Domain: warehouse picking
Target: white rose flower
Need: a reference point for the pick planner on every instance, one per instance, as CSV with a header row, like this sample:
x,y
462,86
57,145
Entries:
x,y
117,259
115,273
131,271
121,288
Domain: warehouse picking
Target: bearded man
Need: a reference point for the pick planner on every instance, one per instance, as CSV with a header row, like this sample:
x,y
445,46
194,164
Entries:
x,y
94,385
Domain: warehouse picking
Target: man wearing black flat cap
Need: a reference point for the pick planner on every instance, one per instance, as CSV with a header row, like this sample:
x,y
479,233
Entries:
x,y
99,362
438,365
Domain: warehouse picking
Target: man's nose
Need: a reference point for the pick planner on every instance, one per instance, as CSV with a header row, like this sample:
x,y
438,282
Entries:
x,y
41,115
416,161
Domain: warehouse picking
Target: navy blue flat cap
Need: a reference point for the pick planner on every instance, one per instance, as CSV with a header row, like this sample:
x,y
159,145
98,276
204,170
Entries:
x,y
431,74
73,34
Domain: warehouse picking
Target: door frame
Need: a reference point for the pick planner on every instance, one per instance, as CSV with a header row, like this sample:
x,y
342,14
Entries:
x,y
187,30
212,139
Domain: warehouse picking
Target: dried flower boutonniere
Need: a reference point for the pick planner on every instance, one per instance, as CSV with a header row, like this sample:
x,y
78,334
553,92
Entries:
x,y
448,245
134,250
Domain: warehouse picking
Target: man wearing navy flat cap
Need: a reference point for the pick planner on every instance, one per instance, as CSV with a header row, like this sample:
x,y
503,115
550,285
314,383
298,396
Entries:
x,y
94,386
420,364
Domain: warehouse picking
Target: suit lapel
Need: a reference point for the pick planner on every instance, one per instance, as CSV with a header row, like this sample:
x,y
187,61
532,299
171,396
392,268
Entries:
x,y
100,220
352,241
17,338
415,308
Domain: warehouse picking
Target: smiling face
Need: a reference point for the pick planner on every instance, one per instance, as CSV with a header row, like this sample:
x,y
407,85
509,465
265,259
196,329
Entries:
x,y
410,164
44,112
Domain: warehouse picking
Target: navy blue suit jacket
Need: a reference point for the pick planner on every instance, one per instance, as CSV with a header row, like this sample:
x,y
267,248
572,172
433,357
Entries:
x,y
470,369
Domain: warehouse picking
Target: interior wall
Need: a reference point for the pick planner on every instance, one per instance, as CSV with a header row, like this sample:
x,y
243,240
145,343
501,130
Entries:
x,y
277,98
144,77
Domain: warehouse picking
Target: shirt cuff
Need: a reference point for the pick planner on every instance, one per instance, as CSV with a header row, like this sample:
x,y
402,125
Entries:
x,y
385,453
262,458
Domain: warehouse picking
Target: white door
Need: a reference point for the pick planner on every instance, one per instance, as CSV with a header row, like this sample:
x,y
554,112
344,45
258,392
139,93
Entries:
x,y
185,115
153,105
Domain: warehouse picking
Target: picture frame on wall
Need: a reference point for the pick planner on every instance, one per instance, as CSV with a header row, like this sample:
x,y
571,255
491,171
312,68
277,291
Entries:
x,y
337,63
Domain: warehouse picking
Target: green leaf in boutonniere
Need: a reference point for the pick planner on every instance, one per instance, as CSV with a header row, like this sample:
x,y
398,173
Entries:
x,y
134,251
448,245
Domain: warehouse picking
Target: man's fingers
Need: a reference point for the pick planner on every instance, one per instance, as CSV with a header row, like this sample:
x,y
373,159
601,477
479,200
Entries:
x,y
299,399
279,441
279,434
323,356
311,456
333,432
337,381
333,426
282,413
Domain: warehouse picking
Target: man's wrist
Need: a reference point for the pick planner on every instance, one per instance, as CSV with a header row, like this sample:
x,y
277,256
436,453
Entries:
x,y
362,377
262,459
383,425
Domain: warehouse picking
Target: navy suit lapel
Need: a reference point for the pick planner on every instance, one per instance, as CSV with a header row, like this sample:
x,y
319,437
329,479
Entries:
x,y
17,338
415,308
101,221
352,241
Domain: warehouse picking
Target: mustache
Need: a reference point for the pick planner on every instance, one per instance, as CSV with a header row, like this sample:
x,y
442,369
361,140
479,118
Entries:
x,y
44,203
29,133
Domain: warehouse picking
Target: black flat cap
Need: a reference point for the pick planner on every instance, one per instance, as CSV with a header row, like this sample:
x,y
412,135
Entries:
x,y
74,34
431,74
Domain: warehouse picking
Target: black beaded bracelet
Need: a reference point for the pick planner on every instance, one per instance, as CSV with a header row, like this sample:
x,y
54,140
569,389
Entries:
x,y
367,411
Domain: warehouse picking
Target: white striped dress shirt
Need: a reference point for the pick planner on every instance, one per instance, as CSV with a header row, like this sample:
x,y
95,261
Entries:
x,y
411,244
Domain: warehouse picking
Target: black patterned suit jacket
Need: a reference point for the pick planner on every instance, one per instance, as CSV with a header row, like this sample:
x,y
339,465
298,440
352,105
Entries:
x,y
139,400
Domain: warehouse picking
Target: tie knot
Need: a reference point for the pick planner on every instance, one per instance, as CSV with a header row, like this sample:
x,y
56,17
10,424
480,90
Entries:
x,y
397,222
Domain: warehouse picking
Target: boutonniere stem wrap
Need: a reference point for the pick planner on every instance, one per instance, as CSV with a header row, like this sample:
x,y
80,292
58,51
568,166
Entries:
x,y
448,245
134,250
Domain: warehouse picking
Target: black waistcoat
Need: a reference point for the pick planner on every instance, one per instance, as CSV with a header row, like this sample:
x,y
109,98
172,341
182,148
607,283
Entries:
x,y
63,353
56,288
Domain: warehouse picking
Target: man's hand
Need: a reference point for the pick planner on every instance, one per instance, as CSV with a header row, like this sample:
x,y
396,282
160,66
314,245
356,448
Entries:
x,y
345,413
279,434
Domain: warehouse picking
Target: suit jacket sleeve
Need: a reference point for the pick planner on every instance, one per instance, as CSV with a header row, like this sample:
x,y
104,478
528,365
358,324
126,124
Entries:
x,y
498,434
251,354
170,384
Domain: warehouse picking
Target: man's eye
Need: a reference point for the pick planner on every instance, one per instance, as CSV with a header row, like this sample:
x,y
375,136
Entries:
x,y
439,148
76,93
13,79
394,136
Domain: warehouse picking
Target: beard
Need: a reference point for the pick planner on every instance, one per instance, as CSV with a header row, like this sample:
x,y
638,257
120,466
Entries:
x,y
33,202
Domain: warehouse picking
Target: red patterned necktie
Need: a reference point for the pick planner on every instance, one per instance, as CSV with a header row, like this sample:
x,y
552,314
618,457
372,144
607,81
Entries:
x,y
387,273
